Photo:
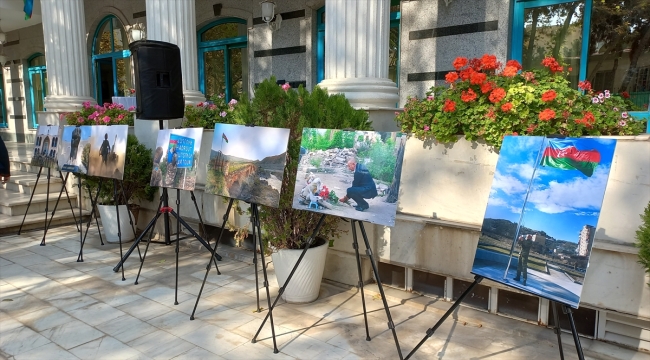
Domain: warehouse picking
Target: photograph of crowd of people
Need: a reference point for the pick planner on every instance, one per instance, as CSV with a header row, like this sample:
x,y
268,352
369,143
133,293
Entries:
x,y
351,174
74,141
247,163
542,214
176,158
107,151
45,146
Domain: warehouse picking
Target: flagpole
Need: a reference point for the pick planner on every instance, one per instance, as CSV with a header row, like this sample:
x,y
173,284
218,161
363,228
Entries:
x,y
523,209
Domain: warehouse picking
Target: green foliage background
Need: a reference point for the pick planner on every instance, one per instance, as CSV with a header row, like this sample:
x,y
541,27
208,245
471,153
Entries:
x,y
643,240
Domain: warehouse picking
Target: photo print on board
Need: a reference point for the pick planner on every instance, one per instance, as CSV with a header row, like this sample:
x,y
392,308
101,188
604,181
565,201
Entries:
x,y
176,158
247,163
107,151
542,214
74,142
351,174
46,146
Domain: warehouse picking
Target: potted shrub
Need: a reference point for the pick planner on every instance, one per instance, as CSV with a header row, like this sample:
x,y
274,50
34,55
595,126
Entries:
x,y
137,171
286,229
486,100
643,240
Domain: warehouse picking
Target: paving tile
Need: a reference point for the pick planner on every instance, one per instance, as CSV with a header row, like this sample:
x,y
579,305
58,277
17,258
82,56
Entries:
x,y
47,351
126,328
200,353
161,345
256,351
30,259
104,348
145,309
44,319
70,300
305,347
228,319
116,297
96,313
176,323
71,334
20,339
214,339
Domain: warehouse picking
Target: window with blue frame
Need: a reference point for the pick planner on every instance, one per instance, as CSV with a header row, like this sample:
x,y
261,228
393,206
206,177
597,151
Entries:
x,y
111,60
604,42
393,46
37,72
222,57
3,111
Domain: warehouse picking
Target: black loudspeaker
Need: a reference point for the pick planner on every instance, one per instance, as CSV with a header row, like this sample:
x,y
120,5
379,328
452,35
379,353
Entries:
x,y
158,80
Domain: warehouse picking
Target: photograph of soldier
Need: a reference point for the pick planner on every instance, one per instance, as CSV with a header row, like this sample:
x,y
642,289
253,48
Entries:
x,y
525,242
45,146
542,213
176,158
351,174
107,153
73,149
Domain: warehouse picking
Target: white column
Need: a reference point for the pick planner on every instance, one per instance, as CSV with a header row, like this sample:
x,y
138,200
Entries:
x,y
64,30
356,52
174,21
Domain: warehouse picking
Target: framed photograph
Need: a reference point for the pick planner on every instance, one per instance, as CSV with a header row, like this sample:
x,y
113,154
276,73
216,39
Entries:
x,y
542,214
176,158
107,151
351,174
74,142
247,163
46,146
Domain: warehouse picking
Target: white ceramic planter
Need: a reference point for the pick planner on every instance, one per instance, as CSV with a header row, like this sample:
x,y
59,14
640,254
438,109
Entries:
x,y
109,223
305,283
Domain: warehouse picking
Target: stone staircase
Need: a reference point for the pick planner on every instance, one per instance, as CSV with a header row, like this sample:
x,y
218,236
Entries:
x,y
15,195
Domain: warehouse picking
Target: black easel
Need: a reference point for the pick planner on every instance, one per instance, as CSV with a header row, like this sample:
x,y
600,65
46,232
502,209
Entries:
x,y
257,240
64,182
477,279
355,245
93,213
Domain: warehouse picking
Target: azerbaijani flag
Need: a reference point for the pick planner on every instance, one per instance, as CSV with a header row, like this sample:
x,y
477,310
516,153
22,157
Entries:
x,y
564,155
223,136
28,8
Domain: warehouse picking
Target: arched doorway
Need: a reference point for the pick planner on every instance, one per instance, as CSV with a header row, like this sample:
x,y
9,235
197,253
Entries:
x,y
37,72
111,60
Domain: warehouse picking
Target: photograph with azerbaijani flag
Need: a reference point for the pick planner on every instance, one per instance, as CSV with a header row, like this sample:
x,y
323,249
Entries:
x,y
247,163
542,214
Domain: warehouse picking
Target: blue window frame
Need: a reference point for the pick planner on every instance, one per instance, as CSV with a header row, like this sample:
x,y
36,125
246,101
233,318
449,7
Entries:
x,y
3,110
37,73
222,47
394,45
529,14
111,60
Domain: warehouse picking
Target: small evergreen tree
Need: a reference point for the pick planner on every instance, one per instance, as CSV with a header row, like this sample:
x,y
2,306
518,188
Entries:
x,y
643,239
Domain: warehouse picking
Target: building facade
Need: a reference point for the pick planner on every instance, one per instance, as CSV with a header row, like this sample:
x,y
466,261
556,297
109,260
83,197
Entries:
x,y
585,240
378,53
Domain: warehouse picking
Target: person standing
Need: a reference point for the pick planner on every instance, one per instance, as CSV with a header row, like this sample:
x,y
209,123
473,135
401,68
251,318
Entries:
x,y
522,265
363,185
105,149
5,169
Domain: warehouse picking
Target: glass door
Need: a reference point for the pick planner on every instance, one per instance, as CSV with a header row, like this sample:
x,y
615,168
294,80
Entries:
x,y
38,91
554,28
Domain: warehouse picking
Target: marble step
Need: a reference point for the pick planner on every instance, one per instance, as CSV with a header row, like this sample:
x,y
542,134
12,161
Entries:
x,y
25,166
25,182
9,225
14,204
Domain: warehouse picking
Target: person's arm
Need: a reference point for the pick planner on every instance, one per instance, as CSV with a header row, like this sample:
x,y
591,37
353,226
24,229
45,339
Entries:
x,y
5,168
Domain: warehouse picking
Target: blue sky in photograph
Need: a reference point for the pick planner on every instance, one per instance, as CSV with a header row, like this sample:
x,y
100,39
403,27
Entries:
x,y
252,143
560,202
193,133
67,132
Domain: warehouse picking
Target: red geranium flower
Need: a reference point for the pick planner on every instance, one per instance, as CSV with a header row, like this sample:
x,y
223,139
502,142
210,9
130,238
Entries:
x,y
486,87
584,85
489,62
546,115
514,63
475,64
460,62
451,77
450,106
531,128
506,107
497,95
468,95
477,78
552,64
510,71
625,95
466,73
549,95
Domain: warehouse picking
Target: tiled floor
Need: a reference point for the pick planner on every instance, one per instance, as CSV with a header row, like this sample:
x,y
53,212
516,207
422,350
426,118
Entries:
x,y
52,307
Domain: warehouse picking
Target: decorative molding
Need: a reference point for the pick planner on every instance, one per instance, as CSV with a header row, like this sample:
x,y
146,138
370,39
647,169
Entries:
x,y
18,117
16,98
9,81
427,76
139,14
11,43
454,30
280,51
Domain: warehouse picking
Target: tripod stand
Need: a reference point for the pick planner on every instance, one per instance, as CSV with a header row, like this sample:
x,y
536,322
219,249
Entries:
x,y
355,245
257,240
64,182
162,209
